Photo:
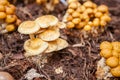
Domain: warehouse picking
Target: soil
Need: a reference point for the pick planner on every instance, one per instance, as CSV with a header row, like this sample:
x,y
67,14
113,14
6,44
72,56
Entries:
x,y
78,63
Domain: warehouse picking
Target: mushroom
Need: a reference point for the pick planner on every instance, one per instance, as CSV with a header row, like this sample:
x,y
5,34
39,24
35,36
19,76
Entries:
x,y
28,27
87,16
116,46
112,61
47,21
5,76
61,25
106,53
34,47
106,45
50,34
115,71
61,44
52,46
7,14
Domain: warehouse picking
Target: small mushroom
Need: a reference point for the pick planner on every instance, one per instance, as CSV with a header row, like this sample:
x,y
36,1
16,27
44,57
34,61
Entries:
x,y
49,35
103,8
115,71
5,76
116,46
47,21
112,61
106,53
35,47
52,46
61,44
61,25
106,45
28,27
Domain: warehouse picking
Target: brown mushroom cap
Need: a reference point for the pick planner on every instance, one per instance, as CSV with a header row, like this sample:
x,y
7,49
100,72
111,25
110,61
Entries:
x,y
28,27
34,47
61,44
5,76
46,21
50,34
52,46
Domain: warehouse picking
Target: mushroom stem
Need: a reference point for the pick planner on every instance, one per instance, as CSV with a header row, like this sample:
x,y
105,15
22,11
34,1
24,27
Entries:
x,y
32,36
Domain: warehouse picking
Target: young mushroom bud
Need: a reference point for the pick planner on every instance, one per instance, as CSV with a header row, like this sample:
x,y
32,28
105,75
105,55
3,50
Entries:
x,y
2,8
115,53
106,45
103,8
10,9
87,28
88,4
70,1
112,61
106,53
115,71
4,2
116,46
10,27
2,15
70,25
10,18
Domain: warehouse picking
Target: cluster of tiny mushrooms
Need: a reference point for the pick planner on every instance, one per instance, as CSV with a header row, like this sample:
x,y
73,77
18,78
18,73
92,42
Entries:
x,y
87,16
44,32
109,65
44,35
48,4
8,19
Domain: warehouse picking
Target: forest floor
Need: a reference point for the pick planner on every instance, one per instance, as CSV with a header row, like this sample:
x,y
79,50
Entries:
x,y
76,63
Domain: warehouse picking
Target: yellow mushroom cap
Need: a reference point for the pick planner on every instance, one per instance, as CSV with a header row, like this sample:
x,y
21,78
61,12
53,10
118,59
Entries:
x,y
103,8
87,28
115,53
50,34
106,53
34,47
88,4
28,27
112,61
116,46
61,44
115,71
61,25
52,46
46,21
5,76
70,1
105,45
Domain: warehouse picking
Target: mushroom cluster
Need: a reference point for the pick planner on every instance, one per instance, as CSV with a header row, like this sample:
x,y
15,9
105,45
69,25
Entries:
x,y
8,19
87,16
49,4
44,35
110,51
